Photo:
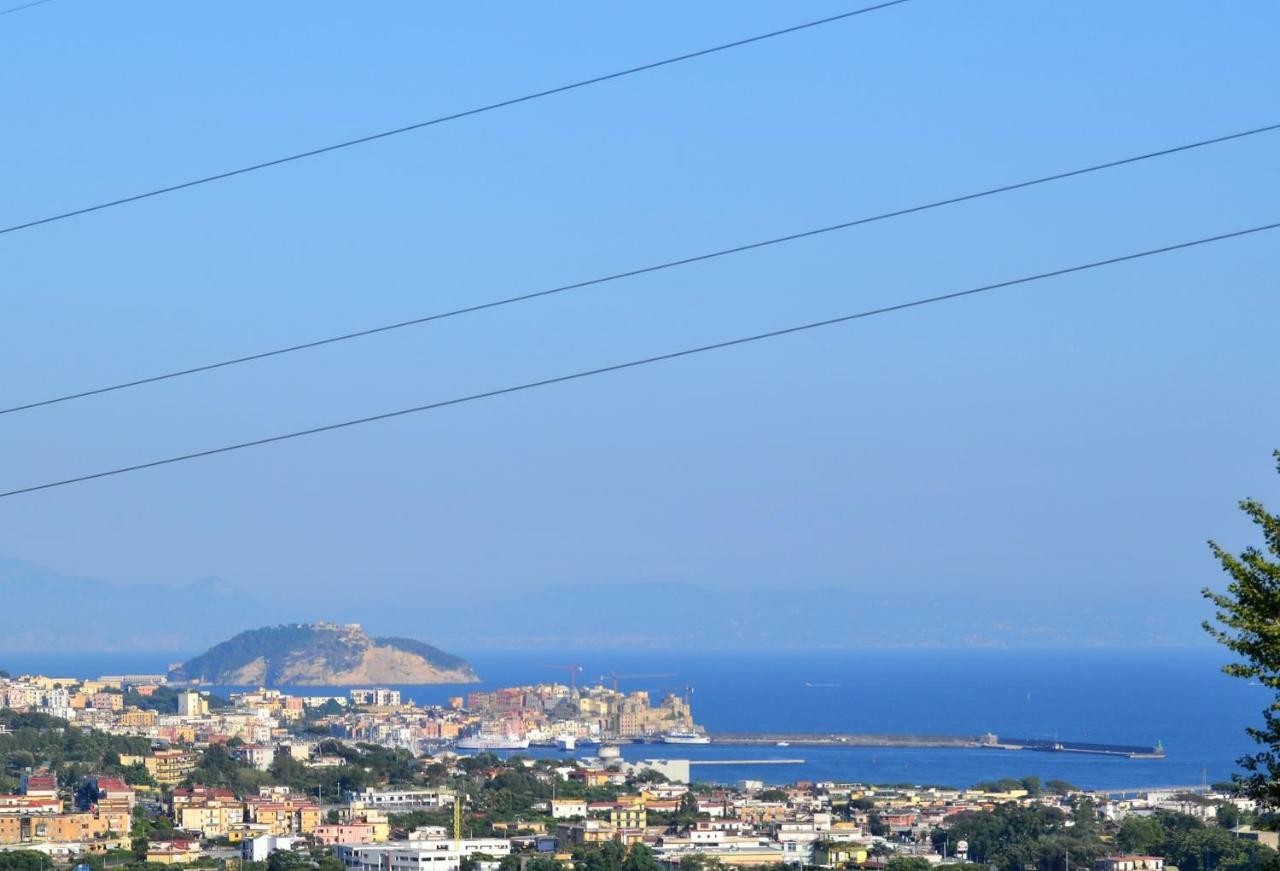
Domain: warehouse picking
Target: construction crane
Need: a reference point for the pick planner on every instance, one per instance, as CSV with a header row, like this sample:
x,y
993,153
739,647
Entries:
x,y
574,671
457,822
615,677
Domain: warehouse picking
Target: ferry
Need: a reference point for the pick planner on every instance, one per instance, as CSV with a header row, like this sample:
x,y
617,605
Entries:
x,y
566,742
492,742
685,736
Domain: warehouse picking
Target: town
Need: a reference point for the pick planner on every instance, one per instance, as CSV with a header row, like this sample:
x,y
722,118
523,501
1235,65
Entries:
x,y
126,770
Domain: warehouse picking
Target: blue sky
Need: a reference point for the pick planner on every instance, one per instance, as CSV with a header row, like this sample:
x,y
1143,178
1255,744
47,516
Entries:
x,y
1072,440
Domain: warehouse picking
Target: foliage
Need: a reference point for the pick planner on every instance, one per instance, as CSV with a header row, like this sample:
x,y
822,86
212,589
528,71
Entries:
x,y
24,860
1013,836
1030,783
908,863
165,700
71,753
1189,844
1248,614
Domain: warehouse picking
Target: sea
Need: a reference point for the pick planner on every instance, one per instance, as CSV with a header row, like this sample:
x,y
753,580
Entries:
x,y
1176,696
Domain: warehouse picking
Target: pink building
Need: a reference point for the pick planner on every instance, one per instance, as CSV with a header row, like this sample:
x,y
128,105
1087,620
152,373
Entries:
x,y
348,833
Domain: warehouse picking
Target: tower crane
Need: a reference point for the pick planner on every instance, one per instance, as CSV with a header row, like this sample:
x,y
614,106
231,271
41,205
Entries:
x,y
573,669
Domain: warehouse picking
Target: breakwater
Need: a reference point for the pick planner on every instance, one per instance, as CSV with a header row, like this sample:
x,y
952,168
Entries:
x,y
988,741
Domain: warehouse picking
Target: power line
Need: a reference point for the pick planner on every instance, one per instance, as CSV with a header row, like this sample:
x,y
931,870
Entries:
x,y
644,361
14,9
502,104
657,267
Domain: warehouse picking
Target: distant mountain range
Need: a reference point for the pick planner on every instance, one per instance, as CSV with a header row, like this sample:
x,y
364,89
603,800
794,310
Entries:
x,y
45,610
322,654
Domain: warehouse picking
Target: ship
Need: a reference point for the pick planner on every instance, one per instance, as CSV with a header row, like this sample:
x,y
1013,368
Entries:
x,y
566,742
492,742
685,736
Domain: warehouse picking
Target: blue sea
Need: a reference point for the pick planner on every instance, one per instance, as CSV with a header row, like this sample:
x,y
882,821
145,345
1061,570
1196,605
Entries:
x,y
1178,697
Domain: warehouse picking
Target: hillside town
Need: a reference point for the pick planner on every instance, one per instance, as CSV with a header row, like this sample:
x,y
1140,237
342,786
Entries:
x,y
125,770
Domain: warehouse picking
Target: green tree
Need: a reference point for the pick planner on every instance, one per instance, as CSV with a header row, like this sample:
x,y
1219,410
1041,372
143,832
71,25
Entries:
x,y
640,858
1248,617
1228,816
908,863
24,860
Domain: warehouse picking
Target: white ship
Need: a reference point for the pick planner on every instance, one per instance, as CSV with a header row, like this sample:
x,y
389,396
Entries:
x,y
492,742
566,742
685,736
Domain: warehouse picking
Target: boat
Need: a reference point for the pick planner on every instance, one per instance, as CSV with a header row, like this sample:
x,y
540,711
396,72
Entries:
x,y
783,744
492,742
685,736
566,742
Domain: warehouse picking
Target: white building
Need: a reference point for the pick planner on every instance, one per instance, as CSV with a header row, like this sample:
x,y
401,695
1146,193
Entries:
x,y
565,808
381,697
260,756
402,799
433,854
259,848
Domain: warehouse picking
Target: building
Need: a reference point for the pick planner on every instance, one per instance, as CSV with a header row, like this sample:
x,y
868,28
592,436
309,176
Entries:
x,y
1130,863
567,808
105,701
294,815
173,852
259,848
418,854
40,784
381,697
1248,833
628,817
212,819
260,756
401,799
166,767
192,704
347,833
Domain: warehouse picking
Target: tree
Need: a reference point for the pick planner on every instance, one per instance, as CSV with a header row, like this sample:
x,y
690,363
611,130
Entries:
x,y
908,863
1228,816
640,858
24,860
1248,614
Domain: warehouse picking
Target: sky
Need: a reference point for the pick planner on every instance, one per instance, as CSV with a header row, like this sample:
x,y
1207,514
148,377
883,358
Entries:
x,y
1041,464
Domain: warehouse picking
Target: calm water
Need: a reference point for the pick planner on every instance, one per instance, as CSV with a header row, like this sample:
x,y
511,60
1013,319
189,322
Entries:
x,y
1178,697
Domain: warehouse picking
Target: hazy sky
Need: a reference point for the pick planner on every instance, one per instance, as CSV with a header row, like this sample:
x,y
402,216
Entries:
x,y
1075,438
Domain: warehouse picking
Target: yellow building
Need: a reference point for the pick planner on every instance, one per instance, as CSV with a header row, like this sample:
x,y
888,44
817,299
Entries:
x,y
173,852
212,819
838,853
166,767
137,718
629,817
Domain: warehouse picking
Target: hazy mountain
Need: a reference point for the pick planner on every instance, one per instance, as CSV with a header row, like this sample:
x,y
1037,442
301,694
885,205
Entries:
x,y
45,610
